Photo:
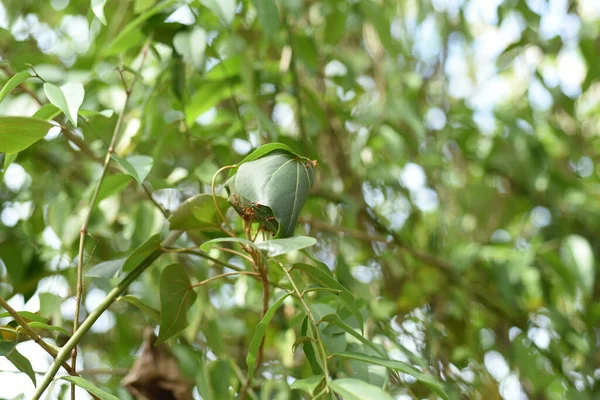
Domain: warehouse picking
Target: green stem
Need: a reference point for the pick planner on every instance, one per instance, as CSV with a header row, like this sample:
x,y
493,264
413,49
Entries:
x,y
67,349
93,201
314,323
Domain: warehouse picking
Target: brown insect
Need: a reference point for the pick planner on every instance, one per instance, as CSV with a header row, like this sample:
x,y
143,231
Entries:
x,y
311,164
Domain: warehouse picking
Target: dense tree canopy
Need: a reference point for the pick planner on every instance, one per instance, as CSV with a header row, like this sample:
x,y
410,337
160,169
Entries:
x,y
367,199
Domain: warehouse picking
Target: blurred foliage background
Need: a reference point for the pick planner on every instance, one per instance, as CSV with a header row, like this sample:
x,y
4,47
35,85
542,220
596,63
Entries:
x,y
457,194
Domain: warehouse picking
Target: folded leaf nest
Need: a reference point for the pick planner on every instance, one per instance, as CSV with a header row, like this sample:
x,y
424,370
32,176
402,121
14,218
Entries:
x,y
270,186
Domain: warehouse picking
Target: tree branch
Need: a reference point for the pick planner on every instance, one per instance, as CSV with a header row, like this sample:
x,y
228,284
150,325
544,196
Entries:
x,y
85,326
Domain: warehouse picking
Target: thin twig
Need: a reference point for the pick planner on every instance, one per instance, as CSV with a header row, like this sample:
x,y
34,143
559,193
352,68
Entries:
x,y
234,252
164,212
94,199
314,322
224,275
212,188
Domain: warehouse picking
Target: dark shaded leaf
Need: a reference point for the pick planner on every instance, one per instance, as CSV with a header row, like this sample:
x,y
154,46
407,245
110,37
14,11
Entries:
x,y
176,298
198,212
259,333
328,281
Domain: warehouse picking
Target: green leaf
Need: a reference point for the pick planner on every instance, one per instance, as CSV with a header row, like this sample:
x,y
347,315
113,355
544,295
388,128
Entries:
x,y
22,364
329,281
107,113
18,133
112,185
206,97
336,320
335,23
176,298
49,305
277,247
355,389
47,112
309,348
61,219
224,9
68,98
191,46
198,212
131,35
152,312
9,158
279,181
98,10
428,380
268,15
13,82
106,269
259,333
308,385
90,387
27,316
142,252
226,69
6,346
220,373
207,245
53,328
137,166
578,256
264,150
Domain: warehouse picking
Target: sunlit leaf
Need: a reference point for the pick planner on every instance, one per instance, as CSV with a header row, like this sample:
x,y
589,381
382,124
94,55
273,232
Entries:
x,y
355,389
98,9
207,245
27,316
191,45
13,82
277,247
308,385
68,98
137,166
90,387
224,9
579,257
131,35
428,380
18,133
